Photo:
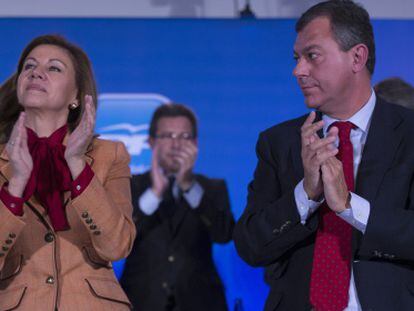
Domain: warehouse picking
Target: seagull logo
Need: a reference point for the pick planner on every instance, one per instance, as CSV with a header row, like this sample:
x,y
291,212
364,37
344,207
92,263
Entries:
x,y
125,117
135,138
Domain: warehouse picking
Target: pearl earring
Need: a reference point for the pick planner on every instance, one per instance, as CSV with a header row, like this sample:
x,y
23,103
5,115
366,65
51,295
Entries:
x,y
73,106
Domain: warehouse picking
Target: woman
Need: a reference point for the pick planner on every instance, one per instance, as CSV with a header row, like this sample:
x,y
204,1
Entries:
x,y
65,206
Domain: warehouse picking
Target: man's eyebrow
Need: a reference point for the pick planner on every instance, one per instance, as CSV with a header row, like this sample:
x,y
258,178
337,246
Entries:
x,y
306,49
311,47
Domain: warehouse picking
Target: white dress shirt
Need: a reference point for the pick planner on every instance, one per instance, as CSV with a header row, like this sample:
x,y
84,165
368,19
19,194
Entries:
x,y
148,202
358,213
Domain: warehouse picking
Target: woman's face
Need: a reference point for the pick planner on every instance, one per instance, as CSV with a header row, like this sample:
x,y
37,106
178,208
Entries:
x,y
47,80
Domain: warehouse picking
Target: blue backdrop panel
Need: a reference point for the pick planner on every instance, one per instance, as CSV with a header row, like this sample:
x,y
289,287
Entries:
x,y
236,75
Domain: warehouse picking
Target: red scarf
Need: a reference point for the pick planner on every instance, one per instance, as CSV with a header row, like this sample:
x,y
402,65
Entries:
x,y
50,175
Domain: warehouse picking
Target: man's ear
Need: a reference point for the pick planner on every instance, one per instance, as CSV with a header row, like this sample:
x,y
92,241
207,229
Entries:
x,y
359,54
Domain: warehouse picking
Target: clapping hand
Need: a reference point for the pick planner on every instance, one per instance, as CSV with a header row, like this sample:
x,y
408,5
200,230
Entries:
x,y
19,156
80,138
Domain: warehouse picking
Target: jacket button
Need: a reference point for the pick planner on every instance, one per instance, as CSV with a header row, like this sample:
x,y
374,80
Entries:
x,y
12,235
50,280
97,232
49,237
164,284
88,221
8,241
171,258
92,227
5,248
85,214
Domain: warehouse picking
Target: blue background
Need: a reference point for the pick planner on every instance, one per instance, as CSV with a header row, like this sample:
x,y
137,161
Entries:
x,y
235,74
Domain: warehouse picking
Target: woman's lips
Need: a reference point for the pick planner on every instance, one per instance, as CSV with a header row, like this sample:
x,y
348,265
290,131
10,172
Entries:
x,y
35,87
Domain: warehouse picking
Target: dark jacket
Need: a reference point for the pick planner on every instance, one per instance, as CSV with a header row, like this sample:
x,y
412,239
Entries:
x,y
173,255
270,234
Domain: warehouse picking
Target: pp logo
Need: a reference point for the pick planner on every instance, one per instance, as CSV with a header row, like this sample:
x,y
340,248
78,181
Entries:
x,y
126,117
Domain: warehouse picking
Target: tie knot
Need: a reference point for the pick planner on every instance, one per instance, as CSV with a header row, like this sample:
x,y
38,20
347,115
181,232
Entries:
x,y
171,180
344,129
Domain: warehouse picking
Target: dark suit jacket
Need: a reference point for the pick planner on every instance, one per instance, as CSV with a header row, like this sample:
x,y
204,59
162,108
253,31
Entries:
x,y
174,255
270,234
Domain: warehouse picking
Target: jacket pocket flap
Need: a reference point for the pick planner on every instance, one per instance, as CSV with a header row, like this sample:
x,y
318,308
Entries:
x,y
12,268
11,298
107,289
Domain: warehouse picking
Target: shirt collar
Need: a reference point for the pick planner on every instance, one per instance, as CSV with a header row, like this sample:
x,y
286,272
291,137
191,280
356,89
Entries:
x,y
361,119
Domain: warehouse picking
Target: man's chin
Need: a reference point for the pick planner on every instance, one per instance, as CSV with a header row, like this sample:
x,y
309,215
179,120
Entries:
x,y
172,168
311,102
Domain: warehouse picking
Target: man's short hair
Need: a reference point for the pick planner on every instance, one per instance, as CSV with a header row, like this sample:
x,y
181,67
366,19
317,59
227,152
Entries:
x,y
396,91
350,25
172,110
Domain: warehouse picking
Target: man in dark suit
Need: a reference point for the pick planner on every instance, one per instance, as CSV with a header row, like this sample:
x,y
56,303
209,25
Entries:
x,y
330,210
178,215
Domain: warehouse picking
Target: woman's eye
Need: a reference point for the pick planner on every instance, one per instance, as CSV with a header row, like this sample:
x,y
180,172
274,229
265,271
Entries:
x,y
28,66
54,68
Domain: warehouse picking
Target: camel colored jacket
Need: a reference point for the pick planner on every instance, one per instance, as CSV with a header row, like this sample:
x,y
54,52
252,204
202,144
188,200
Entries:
x,y
44,270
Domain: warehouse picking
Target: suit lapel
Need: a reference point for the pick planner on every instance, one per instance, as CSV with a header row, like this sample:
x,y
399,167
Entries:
x,y
384,136
383,139
5,167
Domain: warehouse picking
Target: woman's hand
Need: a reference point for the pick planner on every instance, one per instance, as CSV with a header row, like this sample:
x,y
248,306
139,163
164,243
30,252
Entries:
x,y
80,138
19,156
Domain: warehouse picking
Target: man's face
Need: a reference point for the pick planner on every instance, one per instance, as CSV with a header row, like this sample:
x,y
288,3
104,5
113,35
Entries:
x,y
323,70
173,133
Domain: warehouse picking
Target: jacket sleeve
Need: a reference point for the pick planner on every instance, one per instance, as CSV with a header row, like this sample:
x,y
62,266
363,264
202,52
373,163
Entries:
x,y
214,211
144,223
270,224
105,205
10,230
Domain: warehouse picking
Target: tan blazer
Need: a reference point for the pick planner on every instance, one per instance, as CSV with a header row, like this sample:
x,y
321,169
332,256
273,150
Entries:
x,y
41,269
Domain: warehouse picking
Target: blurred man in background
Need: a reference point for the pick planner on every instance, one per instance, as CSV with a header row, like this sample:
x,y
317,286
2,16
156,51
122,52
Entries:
x,y
178,214
397,91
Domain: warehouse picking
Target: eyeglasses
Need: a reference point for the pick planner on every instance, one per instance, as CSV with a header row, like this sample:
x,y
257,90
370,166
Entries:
x,y
171,136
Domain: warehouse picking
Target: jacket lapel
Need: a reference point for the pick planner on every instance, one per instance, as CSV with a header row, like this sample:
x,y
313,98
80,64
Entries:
x,y
383,139
384,136
5,168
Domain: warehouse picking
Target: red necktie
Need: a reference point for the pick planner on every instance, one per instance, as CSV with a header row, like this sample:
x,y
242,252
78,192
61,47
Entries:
x,y
333,250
